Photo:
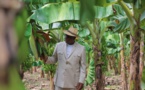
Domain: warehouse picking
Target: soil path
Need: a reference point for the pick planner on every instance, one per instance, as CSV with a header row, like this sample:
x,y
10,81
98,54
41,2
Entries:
x,y
33,81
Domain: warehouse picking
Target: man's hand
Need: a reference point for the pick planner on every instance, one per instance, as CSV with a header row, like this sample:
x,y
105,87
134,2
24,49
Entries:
x,y
44,58
79,86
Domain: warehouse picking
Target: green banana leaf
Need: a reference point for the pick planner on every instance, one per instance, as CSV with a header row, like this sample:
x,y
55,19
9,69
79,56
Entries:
x,y
120,21
109,1
104,2
118,10
38,1
123,24
139,4
84,32
112,40
55,12
103,27
128,1
28,32
33,46
87,45
142,19
91,73
103,12
87,11
45,1
142,16
142,85
23,50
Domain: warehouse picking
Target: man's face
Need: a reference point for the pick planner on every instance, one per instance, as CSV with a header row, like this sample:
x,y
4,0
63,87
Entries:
x,y
69,39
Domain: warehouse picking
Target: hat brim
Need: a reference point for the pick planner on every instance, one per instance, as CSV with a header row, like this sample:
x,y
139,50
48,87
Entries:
x,y
68,33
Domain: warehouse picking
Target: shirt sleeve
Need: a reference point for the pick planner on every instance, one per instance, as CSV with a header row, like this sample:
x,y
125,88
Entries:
x,y
83,67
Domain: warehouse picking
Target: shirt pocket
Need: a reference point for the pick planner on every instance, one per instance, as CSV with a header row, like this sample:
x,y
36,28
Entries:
x,y
77,57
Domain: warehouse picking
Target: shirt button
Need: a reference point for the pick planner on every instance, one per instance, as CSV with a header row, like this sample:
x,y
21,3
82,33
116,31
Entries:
x,y
67,62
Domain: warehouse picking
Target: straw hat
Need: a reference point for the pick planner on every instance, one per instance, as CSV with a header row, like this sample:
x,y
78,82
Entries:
x,y
71,31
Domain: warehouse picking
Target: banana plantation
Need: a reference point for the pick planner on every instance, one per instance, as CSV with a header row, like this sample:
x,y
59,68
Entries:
x,y
112,32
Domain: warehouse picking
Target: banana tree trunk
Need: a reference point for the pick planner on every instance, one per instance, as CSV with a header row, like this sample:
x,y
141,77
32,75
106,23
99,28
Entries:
x,y
123,69
141,55
47,75
34,69
99,78
31,70
98,68
97,34
114,64
134,77
42,74
119,66
109,63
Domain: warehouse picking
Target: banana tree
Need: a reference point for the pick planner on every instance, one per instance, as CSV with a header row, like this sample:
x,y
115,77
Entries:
x,y
85,38
50,69
40,47
135,21
113,49
97,29
123,72
120,24
135,29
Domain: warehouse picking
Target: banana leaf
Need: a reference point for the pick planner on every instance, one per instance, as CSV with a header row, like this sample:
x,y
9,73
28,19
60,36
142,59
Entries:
x,y
91,73
55,12
33,46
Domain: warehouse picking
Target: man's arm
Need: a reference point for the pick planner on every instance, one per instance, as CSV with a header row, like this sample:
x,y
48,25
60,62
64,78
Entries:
x,y
82,70
83,67
53,58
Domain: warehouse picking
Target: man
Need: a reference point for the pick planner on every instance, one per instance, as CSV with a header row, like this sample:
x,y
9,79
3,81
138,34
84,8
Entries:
x,y
71,58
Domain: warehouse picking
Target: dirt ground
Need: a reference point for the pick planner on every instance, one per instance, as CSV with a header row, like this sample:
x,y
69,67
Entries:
x,y
33,81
